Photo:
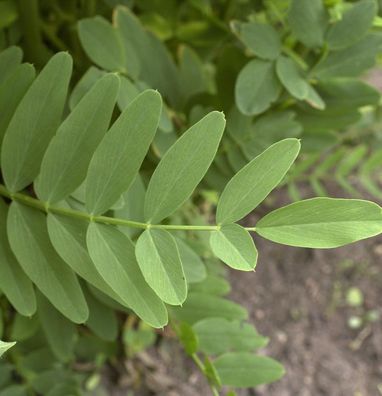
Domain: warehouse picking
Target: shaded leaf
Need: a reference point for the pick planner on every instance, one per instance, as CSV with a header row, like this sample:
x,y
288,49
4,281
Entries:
x,y
104,46
244,370
102,319
29,240
11,92
289,75
263,40
353,25
350,61
68,155
193,266
257,87
308,21
113,254
59,331
13,281
199,306
68,236
219,335
35,122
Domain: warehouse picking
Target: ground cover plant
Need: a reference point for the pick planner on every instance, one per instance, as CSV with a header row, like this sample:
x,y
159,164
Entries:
x,y
133,147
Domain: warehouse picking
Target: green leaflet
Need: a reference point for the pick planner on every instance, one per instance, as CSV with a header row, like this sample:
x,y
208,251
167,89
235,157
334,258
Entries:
x,y
183,167
68,236
289,75
159,260
350,61
13,281
347,93
104,45
234,246
193,266
113,254
352,159
10,58
244,370
314,99
251,185
192,73
322,222
86,82
29,240
161,74
188,338
213,284
119,156
308,21
24,327
4,346
354,24
200,306
59,331
256,87
11,92
218,335
68,155
34,123
263,40
102,319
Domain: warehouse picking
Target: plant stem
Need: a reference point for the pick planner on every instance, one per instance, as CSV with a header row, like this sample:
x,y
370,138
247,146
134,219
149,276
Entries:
x,y
47,208
35,50
296,57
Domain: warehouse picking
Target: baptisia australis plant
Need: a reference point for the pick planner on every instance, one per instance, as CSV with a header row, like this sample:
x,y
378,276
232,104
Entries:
x,y
87,225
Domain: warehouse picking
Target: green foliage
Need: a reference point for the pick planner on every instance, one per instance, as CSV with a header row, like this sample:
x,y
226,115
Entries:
x,y
111,176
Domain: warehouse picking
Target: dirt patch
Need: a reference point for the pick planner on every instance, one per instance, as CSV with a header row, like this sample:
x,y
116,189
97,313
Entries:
x,y
296,297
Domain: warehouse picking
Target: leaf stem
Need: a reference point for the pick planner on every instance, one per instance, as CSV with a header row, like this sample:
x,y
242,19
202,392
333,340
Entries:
x,y
47,208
